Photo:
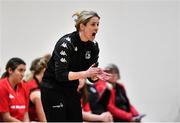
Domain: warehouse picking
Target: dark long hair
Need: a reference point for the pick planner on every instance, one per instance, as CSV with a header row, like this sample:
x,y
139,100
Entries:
x,y
13,63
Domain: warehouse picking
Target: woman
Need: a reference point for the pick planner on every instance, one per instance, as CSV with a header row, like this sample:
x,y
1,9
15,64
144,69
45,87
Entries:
x,y
119,104
73,58
13,95
86,110
38,66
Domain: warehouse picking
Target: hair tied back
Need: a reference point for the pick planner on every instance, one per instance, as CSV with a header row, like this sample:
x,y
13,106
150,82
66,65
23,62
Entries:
x,y
75,16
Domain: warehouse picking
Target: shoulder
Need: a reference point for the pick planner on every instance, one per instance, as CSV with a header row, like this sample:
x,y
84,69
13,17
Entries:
x,y
4,87
66,39
24,89
31,84
65,43
22,85
35,95
3,83
120,84
95,43
95,46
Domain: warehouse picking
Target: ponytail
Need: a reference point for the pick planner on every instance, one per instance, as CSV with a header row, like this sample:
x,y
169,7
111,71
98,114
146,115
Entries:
x,y
4,75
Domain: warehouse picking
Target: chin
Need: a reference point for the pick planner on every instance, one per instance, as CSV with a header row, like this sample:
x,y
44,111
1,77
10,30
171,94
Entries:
x,y
92,39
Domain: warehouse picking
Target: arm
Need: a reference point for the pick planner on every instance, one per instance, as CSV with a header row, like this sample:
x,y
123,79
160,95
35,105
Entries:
x,y
35,97
62,53
4,106
26,117
8,118
91,72
133,111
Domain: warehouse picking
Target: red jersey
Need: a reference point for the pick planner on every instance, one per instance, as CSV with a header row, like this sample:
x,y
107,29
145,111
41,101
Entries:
x,y
13,101
31,86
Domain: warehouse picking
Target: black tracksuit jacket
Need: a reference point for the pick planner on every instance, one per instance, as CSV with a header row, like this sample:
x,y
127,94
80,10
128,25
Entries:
x,y
70,54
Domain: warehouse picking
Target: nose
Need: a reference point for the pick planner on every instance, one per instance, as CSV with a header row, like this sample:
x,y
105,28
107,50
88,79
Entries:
x,y
96,27
22,74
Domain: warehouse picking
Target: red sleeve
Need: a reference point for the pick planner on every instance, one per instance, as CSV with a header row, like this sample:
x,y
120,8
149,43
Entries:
x,y
31,85
134,111
116,112
4,105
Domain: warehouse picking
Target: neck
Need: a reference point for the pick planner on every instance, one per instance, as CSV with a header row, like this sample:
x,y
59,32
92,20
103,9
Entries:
x,y
83,37
12,82
39,78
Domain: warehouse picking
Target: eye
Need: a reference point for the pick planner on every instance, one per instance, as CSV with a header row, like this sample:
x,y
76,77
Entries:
x,y
93,24
21,70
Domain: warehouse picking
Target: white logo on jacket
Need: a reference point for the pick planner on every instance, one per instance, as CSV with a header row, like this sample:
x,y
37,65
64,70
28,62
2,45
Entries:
x,y
68,39
58,106
88,55
63,60
64,45
63,53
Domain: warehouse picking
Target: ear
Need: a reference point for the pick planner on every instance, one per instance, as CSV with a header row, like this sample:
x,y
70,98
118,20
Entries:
x,y
82,26
10,71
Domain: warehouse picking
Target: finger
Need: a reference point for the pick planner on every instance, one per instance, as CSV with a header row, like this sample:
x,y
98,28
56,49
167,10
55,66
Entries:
x,y
95,64
107,74
104,77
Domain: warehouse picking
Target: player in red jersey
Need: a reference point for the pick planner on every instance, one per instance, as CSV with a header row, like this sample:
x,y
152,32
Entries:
x,y
38,66
13,95
86,110
119,104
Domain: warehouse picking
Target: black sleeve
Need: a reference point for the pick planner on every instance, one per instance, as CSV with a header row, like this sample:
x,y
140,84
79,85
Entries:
x,y
62,52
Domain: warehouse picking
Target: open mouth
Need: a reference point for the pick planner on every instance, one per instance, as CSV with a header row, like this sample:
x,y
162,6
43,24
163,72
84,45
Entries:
x,y
94,34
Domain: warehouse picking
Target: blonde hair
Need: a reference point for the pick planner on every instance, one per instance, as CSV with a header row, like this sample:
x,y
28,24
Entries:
x,y
37,66
83,17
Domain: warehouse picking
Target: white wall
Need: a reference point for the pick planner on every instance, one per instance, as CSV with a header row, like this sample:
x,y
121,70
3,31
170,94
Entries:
x,y
178,117
141,37
0,35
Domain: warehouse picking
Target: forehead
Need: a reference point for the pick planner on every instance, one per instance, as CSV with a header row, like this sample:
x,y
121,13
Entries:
x,y
21,66
94,20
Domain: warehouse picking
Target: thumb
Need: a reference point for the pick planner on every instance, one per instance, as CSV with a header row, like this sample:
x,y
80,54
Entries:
x,y
95,64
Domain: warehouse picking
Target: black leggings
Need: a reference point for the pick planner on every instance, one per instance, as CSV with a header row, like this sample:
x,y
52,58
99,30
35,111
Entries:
x,y
62,105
